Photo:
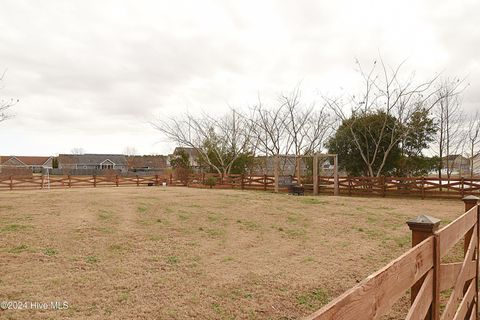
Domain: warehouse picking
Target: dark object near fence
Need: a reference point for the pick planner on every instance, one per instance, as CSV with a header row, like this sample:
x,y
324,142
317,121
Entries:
x,y
296,189
150,184
285,181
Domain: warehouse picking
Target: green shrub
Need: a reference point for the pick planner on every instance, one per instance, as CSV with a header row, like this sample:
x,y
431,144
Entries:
x,y
211,182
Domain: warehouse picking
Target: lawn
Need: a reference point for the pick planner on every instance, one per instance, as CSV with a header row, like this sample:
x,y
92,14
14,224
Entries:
x,y
177,253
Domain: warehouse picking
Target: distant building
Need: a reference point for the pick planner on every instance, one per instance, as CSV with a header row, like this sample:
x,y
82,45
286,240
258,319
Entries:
x,y
92,162
266,165
157,164
287,166
476,164
33,164
456,164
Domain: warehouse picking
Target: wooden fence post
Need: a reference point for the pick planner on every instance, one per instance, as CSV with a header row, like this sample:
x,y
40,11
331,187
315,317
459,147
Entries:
x,y
69,181
116,180
94,181
470,202
11,183
423,227
462,181
315,174
43,181
336,185
297,167
276,172
156,180
171,178
423,187
349,186
138,182
264,182
242,182
384,187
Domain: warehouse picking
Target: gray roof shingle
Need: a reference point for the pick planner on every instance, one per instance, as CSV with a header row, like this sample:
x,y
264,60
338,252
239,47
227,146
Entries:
x,y
92,159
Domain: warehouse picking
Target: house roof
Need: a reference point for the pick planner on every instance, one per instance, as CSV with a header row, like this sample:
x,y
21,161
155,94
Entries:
x,y
91,159
27,160
154,162
453,157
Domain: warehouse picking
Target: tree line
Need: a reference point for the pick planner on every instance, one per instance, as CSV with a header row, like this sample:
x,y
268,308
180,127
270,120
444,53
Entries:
x,y
395,125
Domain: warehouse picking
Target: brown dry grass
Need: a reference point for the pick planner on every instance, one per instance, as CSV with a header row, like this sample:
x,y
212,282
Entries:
x,y
176,253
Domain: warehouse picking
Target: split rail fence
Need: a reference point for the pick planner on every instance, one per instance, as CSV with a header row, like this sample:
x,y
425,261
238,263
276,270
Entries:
x,y
422,271
382,186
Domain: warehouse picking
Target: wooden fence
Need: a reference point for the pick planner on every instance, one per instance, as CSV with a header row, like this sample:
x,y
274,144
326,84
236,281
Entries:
x,y
421,269
55,182
416,186
383,186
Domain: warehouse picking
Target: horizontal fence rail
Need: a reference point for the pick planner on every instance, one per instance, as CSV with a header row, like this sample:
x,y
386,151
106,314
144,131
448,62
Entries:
x,y
55,182
378,186
422,270
382,186
377,294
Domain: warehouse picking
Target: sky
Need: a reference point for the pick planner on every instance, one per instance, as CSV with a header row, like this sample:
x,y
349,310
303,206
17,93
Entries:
x,y
94,74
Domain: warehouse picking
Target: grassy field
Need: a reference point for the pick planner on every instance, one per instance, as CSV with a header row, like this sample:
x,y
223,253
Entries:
x,y
176,253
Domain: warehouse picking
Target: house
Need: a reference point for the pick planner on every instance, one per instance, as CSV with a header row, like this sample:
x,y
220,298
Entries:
x,y
157,164
35,164
456,164
91,163
475,162
287,165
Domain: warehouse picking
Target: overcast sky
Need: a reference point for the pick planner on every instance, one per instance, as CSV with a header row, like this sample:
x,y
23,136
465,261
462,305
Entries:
x,y
91,74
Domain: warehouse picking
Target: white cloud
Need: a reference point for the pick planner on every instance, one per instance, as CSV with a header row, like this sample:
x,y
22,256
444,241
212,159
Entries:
x,y
91,74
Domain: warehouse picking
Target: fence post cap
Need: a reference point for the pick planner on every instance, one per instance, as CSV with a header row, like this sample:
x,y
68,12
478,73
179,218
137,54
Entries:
x,y
423,223
470,198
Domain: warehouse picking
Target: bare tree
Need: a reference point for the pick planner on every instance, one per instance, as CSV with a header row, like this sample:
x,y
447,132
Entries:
x,y
130,151
220,141
291,127
309,128
77,150
473,139
5,104
270,130
390,94
450,119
